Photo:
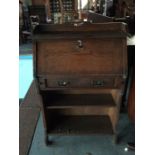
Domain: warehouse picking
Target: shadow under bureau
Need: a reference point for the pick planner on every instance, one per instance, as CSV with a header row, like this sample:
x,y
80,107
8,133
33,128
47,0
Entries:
x,y
80,72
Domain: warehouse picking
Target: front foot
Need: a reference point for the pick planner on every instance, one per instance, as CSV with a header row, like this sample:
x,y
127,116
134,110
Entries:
x,y
47,141
115,139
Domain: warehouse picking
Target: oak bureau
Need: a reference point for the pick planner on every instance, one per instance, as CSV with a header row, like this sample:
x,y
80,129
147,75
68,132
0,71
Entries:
x,y
80,70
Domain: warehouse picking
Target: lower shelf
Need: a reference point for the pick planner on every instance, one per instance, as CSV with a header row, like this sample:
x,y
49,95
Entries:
x,y
79,125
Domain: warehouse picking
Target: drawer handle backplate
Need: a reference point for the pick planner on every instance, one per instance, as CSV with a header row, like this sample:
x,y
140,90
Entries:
x,y
63,83
98,83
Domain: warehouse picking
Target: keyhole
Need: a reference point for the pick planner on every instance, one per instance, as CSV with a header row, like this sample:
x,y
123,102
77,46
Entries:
x,y
80,44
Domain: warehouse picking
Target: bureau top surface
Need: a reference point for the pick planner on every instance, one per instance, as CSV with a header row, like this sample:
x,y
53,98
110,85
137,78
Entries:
x,y
51,31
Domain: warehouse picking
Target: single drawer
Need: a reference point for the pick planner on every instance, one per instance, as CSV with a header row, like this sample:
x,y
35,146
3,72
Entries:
x,y
77,82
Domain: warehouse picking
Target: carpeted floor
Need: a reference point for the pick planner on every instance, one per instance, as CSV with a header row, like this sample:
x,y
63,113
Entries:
x,y
84,145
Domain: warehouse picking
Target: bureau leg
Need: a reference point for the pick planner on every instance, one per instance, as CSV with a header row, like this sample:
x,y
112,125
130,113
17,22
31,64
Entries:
x,y
47,141
115,138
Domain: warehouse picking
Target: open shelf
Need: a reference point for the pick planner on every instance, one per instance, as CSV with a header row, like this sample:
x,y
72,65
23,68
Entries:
x,y
58,124
58,100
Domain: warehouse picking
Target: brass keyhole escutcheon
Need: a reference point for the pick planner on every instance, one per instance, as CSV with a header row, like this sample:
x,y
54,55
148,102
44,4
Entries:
x,y
80,43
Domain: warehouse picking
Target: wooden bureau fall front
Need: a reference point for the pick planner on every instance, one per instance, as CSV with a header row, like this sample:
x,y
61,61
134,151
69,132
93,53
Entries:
x,y
80,71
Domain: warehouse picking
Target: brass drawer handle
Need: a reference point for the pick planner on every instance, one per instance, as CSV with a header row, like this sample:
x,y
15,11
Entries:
x,y
63,83
98,83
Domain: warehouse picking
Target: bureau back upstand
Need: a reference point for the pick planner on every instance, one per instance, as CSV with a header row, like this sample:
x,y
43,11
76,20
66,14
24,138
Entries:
x,y
80,71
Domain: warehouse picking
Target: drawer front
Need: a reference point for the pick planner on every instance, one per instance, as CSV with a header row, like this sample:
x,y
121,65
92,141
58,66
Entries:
x,y
83,56
77,82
